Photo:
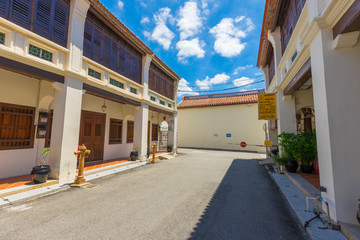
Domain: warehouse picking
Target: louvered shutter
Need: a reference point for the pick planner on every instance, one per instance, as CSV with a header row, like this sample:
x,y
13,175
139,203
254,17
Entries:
x,y
122,61
106,51
97,37
114,56
60,24
20,12
88,39
43,19
4,8
127,64
134,72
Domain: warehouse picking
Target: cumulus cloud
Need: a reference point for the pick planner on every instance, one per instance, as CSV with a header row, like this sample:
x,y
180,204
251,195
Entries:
x,y
208,82
228,34
188,48
189,21
241,68
161,33
204,6
184,86
243,81
145,20
120,4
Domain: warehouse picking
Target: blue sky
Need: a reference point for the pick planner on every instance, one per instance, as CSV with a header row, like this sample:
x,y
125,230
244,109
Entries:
x,y
212,45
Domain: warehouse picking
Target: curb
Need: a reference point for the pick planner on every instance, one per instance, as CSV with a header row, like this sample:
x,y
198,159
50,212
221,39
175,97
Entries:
x,y
296,202
34,193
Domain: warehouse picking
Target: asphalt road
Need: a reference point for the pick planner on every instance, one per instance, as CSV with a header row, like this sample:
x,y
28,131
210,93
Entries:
x,y
198,195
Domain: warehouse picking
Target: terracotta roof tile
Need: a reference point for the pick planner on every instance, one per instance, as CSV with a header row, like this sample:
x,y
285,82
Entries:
x,y
220,99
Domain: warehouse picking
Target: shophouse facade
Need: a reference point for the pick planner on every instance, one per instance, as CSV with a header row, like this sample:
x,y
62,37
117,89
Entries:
x,y
71,73
310,54
221,121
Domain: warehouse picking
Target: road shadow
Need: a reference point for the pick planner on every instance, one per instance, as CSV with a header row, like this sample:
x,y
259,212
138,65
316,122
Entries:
x,y
246,205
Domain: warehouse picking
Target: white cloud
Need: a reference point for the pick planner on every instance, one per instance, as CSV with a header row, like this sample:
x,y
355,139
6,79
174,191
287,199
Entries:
x,y
228,33
188,48
258,74
161,33
241,68
145,20
184,86
243,81
143,4
120,4
189,21
208,82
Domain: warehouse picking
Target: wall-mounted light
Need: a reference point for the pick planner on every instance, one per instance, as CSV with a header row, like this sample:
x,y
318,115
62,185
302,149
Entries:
x,y
103,107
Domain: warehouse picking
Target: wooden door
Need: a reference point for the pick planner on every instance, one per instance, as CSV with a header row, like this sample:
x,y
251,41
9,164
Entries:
x,y
92,134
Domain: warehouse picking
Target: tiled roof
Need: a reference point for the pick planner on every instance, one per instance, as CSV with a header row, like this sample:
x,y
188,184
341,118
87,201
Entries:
x,y
220,99
269,14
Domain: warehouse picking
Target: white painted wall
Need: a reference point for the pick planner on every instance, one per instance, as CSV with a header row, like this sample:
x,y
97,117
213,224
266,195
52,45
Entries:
x,y
115,110
22,90
197,126
336,86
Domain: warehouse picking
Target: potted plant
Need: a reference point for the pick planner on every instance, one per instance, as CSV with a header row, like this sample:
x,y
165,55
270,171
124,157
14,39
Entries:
x,y
281,160
287,143
41,173
306,151
169,148
134,155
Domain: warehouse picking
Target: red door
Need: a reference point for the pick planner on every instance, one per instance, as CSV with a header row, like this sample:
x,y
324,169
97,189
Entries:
x,y
92,134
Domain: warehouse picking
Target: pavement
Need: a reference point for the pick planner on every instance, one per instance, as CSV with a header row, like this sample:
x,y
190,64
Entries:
x,y
200,194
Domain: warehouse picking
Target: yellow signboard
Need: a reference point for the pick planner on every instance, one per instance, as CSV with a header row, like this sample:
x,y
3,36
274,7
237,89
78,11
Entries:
x,y
267,106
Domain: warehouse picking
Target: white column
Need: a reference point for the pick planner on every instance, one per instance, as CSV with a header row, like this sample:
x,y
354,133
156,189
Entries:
x,y
336,85
78,11
174,135
286,113
146,61
65,129
140,130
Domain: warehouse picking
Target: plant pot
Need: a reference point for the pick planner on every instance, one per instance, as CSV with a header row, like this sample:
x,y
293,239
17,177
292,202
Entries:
x,y
134,156
291,166
169,148
40,174
358,214
307,169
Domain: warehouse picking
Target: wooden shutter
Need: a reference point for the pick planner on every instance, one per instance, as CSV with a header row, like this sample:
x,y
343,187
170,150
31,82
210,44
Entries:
x,y
88,39
60,24
43,18
48,129
127,64
20,12
4,8
154,130
130,132
115,134
97,37
106,51
16,126
115,56
122,61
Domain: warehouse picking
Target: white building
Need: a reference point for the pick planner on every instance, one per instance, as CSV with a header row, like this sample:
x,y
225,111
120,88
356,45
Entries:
x,y
310,56
72,73
221,121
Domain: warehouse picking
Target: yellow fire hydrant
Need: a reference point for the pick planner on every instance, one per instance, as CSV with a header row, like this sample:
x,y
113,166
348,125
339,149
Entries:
x,y
84,153
154,150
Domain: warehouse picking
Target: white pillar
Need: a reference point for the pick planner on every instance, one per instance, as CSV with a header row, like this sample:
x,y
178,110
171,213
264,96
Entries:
x,y
146,61
140,130
336,85
65,129
78,11
286,113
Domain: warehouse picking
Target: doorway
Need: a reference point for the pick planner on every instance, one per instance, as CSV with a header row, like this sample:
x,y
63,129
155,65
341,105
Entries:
x,y
92,134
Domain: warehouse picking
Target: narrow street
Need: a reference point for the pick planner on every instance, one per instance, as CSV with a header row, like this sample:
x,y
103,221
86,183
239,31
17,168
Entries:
x,y
198,195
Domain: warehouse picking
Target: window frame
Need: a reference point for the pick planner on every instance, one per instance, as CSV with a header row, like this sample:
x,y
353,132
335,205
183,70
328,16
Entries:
x,y
117,122
31,138
131,138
